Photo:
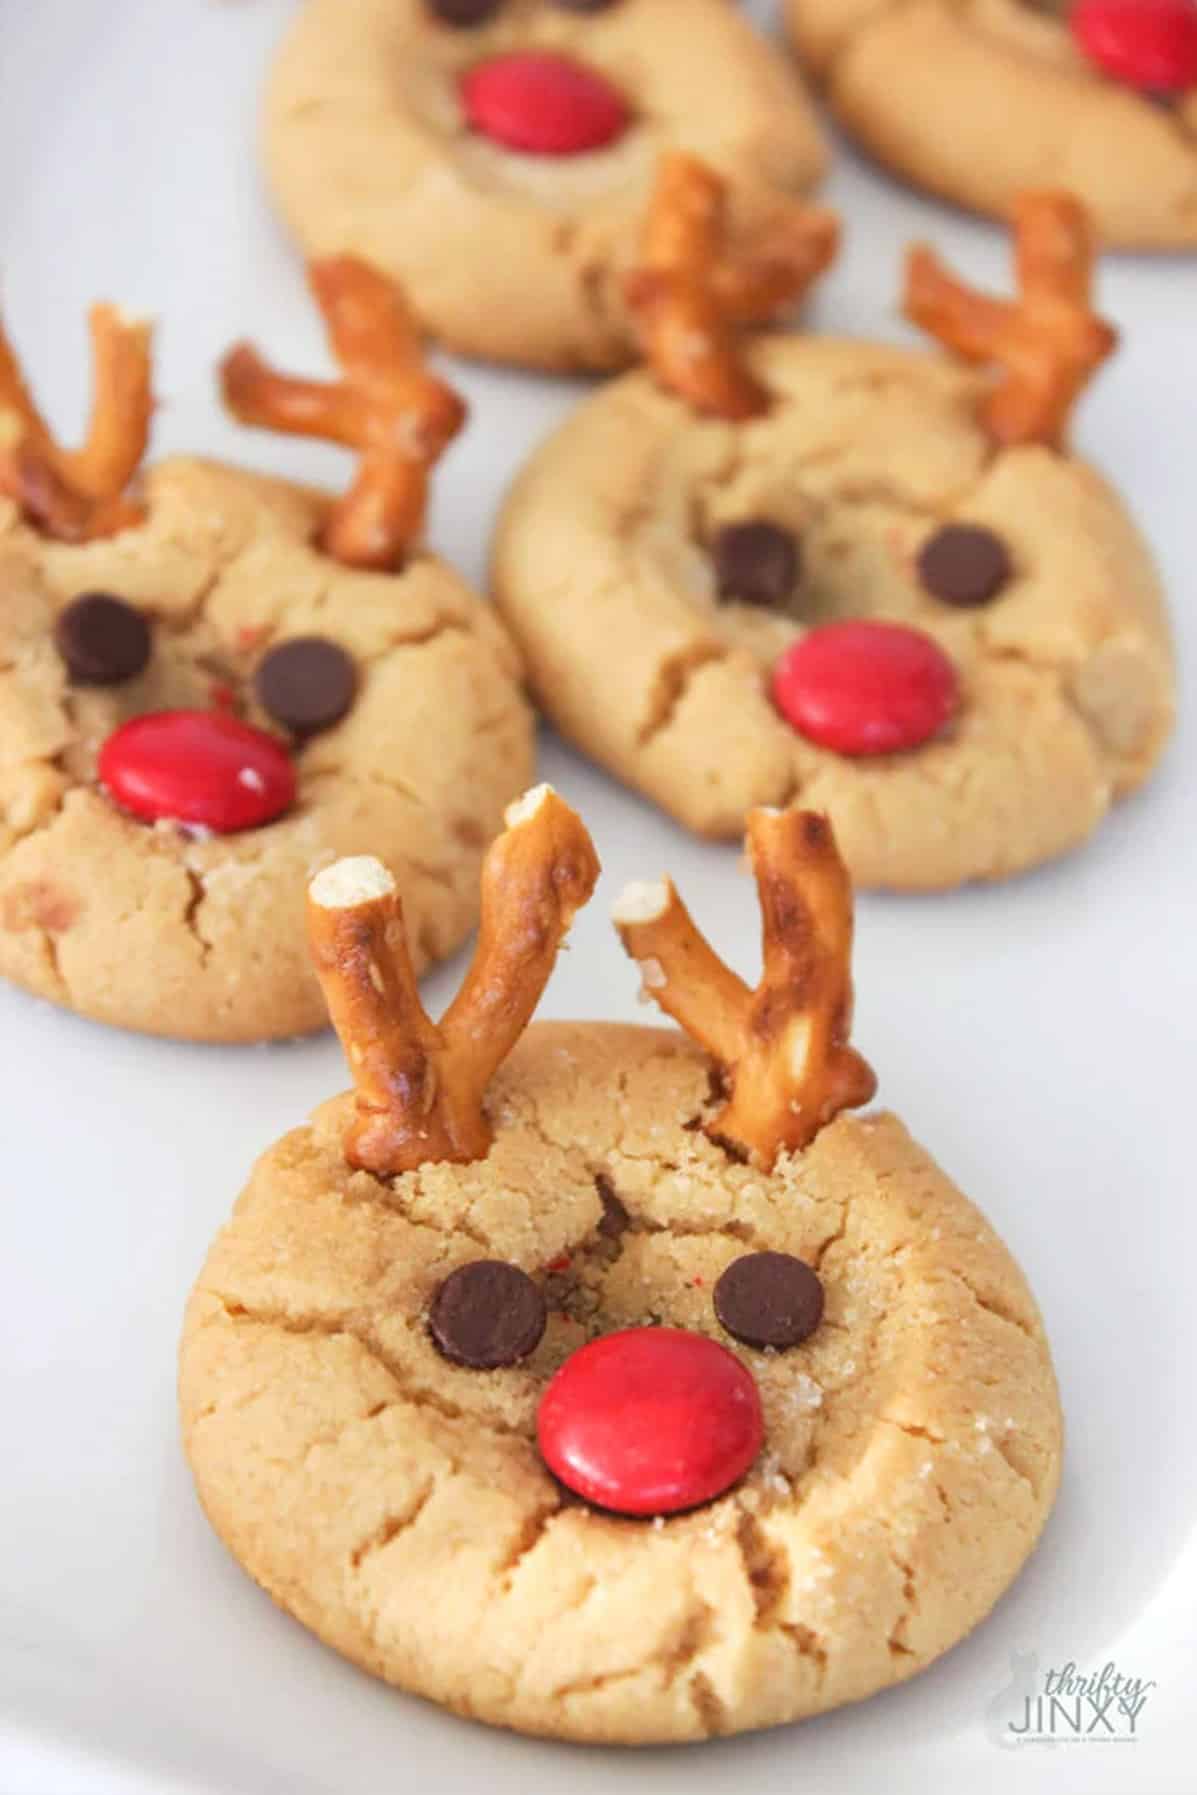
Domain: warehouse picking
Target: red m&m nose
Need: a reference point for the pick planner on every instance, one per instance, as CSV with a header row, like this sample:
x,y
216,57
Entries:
x,y
1149,44
650,1421
866,687
542,104
199,767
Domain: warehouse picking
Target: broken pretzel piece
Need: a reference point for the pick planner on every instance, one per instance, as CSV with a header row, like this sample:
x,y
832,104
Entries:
x,y
420,1085
690,294
79,495
387,406
783,1047
1047,344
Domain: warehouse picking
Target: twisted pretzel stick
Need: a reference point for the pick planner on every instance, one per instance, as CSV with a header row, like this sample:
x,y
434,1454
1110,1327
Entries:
x,y
1046,344
386,405
689,294
77,495
782,1046
420,1084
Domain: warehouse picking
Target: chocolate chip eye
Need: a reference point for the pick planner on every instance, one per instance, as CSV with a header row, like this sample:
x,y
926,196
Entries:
x,y
462,14
756,562
307,684
964,564
102,640
487,1314
769,1299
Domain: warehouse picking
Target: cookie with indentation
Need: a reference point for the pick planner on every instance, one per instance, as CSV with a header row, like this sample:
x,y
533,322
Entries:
x,y
890,590
215,682
498,157
977,101
777,1423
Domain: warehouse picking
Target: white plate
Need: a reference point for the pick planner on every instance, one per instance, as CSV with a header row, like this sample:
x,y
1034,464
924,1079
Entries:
x,y
1039,1038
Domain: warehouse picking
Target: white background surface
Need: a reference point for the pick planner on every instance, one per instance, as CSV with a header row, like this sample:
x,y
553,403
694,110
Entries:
x,y
1038,1037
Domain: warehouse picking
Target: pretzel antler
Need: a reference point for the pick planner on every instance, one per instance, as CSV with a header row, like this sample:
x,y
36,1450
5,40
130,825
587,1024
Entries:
x,y
77,495
783,1047
387,406
420,1084
689,295
1048,343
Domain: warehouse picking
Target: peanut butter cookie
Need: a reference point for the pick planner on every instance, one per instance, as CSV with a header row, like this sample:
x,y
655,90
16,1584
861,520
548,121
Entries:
x,y
498,155
213,684
978,99
628,1390
868,579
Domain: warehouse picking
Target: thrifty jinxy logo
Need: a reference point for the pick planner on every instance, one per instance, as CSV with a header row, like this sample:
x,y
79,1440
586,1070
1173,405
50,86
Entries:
x,y
1066,1706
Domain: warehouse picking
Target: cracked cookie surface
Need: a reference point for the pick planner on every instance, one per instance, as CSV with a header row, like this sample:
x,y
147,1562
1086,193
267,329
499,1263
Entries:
x,y
396,1503
603,568
506,255
154,928
978,100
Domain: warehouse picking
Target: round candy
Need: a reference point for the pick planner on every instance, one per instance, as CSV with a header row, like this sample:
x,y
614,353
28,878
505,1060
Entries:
x,y
102,639
1149,44
487,1314
866,687
198,767
307,684
650,1421
769,1299
543,104
463,13
964,564
756,562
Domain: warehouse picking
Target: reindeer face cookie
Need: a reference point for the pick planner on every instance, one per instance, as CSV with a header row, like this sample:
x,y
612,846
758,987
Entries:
x,y
867,579
976,101
645,1397
213,689
498,155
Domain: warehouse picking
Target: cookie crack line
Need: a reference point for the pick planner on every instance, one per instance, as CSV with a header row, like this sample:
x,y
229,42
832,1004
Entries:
x,y
997,1441
832,1239
673,1659
191,910
410,1393
364,1192
54,962
913,1430
712,1715
1000,1311
1178,122
463,1224
675,676
808,1644
526,1542
433,632
177,621
768,1571
896,1640
389,1529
